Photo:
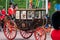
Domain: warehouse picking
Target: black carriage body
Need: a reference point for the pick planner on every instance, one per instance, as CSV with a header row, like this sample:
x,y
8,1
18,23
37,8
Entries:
x,y
28,19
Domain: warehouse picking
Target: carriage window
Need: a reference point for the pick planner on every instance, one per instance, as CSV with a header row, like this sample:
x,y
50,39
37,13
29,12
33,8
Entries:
x,y
17,15
36,14
23,14
30,14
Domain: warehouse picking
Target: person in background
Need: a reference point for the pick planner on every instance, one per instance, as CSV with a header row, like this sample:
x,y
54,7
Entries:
x,y
47,26
55,33
3,12
15,8
11,10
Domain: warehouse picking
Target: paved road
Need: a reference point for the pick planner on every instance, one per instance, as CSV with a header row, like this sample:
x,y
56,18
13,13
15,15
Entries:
x,y
18,37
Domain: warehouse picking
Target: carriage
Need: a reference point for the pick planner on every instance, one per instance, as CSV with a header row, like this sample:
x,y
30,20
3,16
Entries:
x,y
27,21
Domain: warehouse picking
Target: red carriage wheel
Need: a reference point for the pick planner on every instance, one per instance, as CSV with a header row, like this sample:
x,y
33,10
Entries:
x,y
40,34
25,34
10,30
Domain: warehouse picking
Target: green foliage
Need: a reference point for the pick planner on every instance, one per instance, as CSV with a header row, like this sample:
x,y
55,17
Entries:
x,y
58,1
2,4
21,3
53,2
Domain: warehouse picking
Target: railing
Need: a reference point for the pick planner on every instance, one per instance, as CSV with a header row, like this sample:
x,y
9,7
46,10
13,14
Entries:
x,y
37,9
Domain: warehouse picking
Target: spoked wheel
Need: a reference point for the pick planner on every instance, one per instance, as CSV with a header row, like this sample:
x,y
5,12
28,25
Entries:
x,y
40,34
10,30
25,34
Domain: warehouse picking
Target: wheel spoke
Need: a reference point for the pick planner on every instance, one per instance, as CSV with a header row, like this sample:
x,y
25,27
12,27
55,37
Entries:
x,y
39,34
25,34
13,29
10,31
8,35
